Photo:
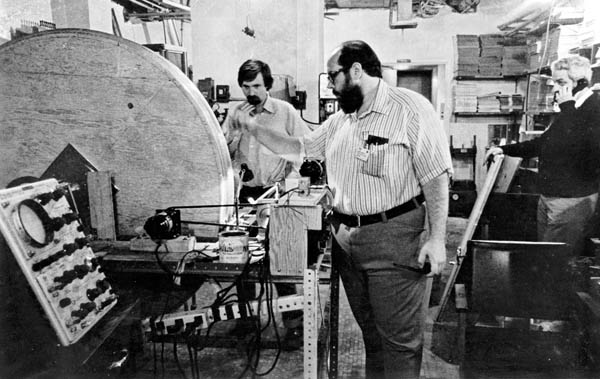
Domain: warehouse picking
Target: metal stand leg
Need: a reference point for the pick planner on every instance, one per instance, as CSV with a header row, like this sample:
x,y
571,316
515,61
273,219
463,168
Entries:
x,y
311,329
334,310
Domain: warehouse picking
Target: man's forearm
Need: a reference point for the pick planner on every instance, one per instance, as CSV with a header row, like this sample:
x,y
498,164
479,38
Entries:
x,y
287,147
436,198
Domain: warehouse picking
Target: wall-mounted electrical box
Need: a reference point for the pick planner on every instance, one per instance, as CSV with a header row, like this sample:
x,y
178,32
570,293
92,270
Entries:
x,y
207,89
223,94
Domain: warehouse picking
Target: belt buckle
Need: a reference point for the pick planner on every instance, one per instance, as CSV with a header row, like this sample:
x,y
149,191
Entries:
x,y
358,221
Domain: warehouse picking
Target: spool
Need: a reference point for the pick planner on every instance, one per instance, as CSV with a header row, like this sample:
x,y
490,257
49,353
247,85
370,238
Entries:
x,y
142,110
233,246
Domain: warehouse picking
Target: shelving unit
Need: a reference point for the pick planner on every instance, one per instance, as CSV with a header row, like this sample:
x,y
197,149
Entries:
x,y
505,77
470,128
534,19
495,82
463,189
538,105
483,114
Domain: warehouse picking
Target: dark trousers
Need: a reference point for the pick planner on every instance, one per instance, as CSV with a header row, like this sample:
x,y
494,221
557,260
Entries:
x,y
569,220
386,299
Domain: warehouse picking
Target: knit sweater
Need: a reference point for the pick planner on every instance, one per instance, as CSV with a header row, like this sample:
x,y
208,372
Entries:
x,y
568,151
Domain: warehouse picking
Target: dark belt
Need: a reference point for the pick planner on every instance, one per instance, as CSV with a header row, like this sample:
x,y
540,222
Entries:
x,y
357,221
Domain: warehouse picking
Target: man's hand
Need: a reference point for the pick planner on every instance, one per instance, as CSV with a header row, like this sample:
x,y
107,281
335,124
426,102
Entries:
x,y
247,118
491,153
564,93
435,250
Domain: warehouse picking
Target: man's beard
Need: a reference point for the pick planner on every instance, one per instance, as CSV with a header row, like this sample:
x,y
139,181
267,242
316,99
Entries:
x,y
350,97
253,99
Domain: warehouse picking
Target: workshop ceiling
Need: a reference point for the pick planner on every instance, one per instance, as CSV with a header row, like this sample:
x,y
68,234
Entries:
x,y
155,10
421,8
158,10
357,3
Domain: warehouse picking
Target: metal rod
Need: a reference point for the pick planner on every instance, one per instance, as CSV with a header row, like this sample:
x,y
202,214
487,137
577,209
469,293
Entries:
x,y
216,205
218,224
237,217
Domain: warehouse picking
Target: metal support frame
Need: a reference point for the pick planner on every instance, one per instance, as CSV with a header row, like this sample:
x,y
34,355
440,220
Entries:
x,y
334,304
320,328
311,322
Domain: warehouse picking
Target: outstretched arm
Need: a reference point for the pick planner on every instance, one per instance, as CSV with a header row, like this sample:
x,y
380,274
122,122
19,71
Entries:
x,y
288,147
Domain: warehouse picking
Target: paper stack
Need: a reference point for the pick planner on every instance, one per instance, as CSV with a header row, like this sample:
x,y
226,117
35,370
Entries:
x,y
465,97
490,60
488,103
466,55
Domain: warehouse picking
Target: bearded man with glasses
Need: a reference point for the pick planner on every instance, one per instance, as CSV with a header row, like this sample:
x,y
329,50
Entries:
x,y
388,166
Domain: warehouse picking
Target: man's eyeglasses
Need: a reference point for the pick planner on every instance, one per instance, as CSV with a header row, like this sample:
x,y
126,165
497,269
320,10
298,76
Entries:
x,y
331,75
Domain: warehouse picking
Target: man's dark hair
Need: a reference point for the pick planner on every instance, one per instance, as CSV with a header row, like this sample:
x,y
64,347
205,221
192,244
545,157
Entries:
x,y
359,51
250,69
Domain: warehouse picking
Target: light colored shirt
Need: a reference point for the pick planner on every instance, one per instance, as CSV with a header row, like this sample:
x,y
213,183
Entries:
x,y
582,96
410,149
267,167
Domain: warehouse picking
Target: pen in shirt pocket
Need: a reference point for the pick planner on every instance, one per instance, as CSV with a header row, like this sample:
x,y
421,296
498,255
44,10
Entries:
x,y
376,140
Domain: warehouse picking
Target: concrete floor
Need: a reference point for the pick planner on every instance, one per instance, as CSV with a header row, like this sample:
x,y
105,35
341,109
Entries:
x,y
221,363
224,363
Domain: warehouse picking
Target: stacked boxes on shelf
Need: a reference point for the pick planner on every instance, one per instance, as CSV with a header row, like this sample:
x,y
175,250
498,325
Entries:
x,y
488,102
589,32
515,57
556,43
490,55
511,103
490,59
540,96
466,55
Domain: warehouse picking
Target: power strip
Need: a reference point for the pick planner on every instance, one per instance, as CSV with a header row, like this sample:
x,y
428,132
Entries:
x,y
46,238
189,320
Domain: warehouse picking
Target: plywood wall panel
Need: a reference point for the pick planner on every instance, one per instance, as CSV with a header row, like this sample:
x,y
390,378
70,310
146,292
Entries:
x,y
126,109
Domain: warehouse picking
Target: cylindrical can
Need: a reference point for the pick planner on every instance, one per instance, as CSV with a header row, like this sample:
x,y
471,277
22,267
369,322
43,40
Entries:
x,y
233,246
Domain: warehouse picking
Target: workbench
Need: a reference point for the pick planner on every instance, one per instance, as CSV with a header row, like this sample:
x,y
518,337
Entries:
x,y
320,328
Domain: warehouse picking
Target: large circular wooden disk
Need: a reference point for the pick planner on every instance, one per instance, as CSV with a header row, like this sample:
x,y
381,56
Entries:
x,y
124,108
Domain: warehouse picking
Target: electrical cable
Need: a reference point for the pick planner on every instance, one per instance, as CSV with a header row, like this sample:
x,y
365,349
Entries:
x,y
254,355
191,357
177,358
305,120
288,191
162,356
161,263
223,293
162,339
155,358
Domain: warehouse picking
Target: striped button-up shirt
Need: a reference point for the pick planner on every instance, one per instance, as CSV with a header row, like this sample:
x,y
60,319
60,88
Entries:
x,y
382,158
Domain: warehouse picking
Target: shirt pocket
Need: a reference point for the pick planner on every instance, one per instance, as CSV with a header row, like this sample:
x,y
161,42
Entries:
x,y
376,163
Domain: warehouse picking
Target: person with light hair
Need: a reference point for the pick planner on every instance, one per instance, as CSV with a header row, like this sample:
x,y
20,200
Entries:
x,y
569,157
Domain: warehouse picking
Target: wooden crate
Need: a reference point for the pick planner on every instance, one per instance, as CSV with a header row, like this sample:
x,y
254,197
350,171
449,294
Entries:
x,y
291,219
